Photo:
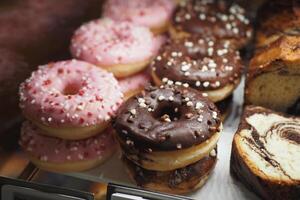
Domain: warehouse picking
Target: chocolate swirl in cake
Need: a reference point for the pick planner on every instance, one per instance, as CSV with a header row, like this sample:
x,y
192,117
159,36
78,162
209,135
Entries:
x,y
274,139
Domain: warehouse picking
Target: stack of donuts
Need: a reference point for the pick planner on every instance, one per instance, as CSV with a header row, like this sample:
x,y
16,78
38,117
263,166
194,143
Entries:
x,y
169,136
68,106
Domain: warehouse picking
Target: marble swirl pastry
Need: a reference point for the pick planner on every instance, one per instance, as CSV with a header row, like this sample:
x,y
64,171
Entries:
x,y
266,154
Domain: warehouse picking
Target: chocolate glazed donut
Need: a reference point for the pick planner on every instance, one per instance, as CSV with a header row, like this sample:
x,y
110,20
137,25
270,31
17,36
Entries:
x,y
167,118
212,18
170,121
177,181
207,65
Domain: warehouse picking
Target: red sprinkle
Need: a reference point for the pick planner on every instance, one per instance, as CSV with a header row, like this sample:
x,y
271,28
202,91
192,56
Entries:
x,y
47,82
60,71
81,120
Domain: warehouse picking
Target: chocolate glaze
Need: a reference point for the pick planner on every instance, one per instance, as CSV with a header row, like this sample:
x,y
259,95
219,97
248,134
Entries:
x,y
213,18
174,178
203,63
266,189
167,118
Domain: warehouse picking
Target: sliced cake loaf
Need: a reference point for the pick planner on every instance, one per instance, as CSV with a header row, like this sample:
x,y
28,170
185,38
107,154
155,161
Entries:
x,y
275,19
265,154
273,78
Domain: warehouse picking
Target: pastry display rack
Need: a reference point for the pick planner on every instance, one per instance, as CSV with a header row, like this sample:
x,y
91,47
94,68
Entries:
x,y
81,185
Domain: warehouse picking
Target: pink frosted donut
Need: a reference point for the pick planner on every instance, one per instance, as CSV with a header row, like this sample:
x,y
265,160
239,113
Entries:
x,y
65,155
118,47
134,84
159,41
154,14
70,99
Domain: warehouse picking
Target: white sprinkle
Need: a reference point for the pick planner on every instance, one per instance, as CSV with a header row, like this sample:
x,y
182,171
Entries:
x,y
212,64
200,41
187,73
133,111
198,83
143,105
141,100
185,85
210,51
185,67
188,44
206,84
187,16
210,43
164,80
228,26
49,119
80,107
160,98
179,146
68,157
174,54
200,118
170,82
217,83
178,83
171,98
202,16
158,58
213,153
205,94
199,105
235,30
189,103
225,60
214,114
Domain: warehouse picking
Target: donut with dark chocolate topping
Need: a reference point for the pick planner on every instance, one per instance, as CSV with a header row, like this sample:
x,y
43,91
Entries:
x,y
212,18
179,181
206,64
167,118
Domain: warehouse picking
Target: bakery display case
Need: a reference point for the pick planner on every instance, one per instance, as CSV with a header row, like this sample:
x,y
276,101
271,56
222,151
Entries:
x,y
149,100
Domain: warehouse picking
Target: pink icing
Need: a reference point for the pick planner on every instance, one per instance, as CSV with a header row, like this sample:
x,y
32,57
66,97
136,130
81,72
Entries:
x,y
158,42
134,82
105,42
59,151
70,94
150,13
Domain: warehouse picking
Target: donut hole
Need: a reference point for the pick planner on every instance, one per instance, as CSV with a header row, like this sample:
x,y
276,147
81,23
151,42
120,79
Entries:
x,y
168,113
71,88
